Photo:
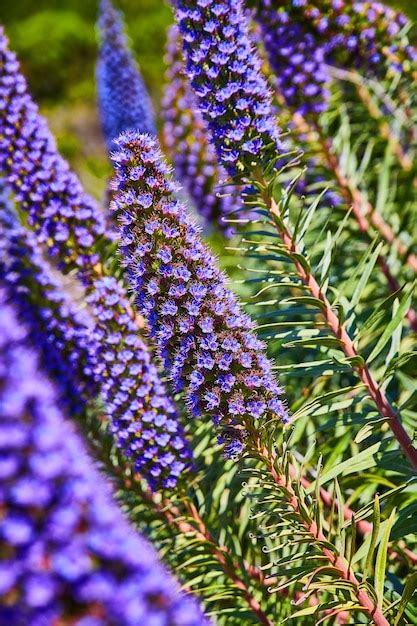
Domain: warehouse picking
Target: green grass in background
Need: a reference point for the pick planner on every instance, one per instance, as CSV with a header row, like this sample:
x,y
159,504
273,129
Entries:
x,y
56,42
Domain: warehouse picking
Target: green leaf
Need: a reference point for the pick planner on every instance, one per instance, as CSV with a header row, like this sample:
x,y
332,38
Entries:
x,y
314,302
397,319
374,536
367,430
359,462
378,315
381,560
303,225
310,610
364,271
409,588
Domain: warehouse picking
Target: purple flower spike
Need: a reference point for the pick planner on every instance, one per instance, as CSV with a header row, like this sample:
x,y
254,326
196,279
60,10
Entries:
x,y
302,37
69,555
56,204
65,219
224,71
143,421
123,100
298,61
57,327
187,140
206,342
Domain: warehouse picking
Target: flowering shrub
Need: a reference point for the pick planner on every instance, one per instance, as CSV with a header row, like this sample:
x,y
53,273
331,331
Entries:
x,y
293,120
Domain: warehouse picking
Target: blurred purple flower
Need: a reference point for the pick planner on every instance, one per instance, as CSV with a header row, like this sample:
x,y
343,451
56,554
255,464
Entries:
x,y
187,140
123,100
60,331
66,220
301,37
68,552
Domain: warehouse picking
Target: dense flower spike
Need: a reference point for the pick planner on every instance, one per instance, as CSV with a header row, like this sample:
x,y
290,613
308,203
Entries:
x,y
224,71
298,62
189,146
64,217
143,420
58,208
301,37
57,327
100,353
206,341
123,100
69,556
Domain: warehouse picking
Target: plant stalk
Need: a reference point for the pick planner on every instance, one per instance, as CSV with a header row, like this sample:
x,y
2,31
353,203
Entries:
x,y
339,331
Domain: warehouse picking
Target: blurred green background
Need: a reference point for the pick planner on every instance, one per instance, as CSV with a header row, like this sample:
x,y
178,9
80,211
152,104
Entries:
x,y
56,44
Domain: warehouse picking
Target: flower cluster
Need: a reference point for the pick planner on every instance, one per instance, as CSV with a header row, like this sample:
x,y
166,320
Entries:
x,y
124,102
362,32
206,342
301,37
68,554
224,71
297,60
63,216
143,420
187,140
64,209
101,353
58,328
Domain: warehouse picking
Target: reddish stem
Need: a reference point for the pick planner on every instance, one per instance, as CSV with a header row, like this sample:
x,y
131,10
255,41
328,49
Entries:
x,y
339,563
356,200
339,331
221,553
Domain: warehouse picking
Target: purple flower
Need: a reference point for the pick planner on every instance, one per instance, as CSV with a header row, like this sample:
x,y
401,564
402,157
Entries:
x,y
59,203
302,37
135,399
298,61
224,71
123,100
57,327
65,219
187,140
68,551
205,375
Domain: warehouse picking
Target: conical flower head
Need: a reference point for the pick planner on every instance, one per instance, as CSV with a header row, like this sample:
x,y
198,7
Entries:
x,y
187,140
68,554
224,70
206,341
64,217
123,99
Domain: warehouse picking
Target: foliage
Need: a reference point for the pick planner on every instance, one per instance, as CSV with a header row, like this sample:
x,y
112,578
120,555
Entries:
x,y
306,522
